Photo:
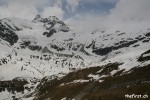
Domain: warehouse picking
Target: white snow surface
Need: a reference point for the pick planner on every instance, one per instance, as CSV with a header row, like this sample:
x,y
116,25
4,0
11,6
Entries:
x,y
38,68
23,64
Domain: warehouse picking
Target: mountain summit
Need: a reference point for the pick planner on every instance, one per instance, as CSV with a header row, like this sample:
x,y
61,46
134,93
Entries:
x,y
53,24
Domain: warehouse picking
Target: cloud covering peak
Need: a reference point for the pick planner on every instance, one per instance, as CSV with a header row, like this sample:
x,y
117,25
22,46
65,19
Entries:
x,y
88,13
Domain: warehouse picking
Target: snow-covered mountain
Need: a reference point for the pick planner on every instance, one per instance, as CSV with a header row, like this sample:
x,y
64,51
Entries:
x,y
36,54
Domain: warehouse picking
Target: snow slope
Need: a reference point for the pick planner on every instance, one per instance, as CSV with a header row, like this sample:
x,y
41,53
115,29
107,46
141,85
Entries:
x,y
47,47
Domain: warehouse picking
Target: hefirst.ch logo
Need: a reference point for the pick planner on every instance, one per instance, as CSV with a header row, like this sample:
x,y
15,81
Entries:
x,y
134,96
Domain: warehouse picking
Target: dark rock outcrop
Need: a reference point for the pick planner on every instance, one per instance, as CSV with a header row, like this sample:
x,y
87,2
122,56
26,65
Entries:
x,y
14,85
147,34
143,57
106,50
8,35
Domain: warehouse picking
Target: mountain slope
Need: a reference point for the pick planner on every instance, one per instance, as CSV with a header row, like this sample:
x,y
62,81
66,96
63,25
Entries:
x,y
44,51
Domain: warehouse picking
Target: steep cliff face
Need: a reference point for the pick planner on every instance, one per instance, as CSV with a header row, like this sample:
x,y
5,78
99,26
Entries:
x,y
7,34
43,58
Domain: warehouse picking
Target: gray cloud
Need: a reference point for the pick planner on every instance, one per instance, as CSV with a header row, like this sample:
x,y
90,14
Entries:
x,y
127,15
135,10
131,13
28,9
53,11
66,8
18,8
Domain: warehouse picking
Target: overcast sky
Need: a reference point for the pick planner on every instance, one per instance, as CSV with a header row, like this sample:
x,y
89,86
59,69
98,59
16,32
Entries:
x,y
61,8
96,12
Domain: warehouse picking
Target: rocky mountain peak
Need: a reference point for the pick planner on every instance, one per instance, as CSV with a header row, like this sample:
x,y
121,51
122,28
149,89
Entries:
x,y
48,20
52,24
37,18
53,18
